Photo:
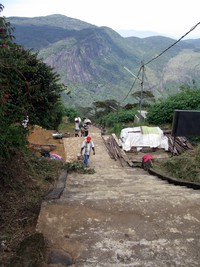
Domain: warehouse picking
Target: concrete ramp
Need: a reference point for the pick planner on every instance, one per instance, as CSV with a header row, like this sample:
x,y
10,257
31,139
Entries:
x,y
120,216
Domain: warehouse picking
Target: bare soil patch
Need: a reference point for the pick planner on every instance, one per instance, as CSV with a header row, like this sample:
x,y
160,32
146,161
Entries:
x,y
44,138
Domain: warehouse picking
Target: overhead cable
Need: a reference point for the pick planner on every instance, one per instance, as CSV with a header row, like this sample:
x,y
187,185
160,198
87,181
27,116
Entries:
x,y
173,44
143,64
136,78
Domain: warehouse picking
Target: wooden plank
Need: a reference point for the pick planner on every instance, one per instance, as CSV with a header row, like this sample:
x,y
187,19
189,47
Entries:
x,y
125,157
107,148
123,154
116,139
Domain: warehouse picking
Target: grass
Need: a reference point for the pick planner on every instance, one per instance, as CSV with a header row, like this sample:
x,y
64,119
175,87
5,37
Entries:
x,y
78,166
183,167
66,126
24,180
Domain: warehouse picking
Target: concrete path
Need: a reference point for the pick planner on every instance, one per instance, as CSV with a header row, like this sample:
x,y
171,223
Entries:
x,y
120,216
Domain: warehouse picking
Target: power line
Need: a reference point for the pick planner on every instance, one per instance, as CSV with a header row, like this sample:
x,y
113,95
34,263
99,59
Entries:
x,y
143,64
136,78
173,44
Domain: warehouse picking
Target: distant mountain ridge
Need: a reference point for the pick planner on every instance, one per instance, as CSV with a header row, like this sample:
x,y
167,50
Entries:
x,y
91,59
56,20
140,34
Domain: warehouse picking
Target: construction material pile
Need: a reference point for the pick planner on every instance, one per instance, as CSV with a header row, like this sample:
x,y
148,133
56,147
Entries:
x,y
178,144
115,151
141,137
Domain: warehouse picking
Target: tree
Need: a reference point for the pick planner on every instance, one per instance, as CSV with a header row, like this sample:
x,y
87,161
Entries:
x,y
148,98
28,87
104,107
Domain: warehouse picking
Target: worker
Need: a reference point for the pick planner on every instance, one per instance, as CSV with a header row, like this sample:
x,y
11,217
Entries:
x,y
77,126
86,147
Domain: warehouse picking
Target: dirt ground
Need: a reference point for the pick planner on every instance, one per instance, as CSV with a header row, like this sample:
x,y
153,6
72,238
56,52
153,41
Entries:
x,y
119,216
43,138
40,138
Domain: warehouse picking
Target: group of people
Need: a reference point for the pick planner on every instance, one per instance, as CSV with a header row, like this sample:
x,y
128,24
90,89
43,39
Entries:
x,y
84,128
87,145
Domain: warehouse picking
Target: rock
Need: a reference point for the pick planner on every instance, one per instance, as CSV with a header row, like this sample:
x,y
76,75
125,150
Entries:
x,y
29,252
60,257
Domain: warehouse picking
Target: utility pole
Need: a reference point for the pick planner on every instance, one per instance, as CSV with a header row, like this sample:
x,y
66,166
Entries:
x,y
142,87
141,92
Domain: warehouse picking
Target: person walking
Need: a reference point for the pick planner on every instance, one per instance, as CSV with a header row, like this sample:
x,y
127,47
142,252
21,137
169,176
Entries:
x,y
85,129
86,147
77,126
86,124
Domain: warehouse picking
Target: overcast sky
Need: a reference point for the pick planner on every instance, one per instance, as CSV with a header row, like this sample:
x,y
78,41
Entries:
x,y
167,17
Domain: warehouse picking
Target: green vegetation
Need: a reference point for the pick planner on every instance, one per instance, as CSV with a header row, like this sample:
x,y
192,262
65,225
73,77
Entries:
x,y
90,60
185,167
29,87
162,112
110,115
77,166
71,114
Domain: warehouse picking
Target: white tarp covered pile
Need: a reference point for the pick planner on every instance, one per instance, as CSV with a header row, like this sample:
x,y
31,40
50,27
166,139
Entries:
x,y
143,136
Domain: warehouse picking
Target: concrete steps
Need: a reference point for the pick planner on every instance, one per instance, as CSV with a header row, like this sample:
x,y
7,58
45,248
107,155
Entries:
x,y
122,217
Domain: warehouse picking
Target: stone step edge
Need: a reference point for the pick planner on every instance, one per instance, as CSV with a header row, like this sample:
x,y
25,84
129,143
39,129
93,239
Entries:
x,y
58,190
174,181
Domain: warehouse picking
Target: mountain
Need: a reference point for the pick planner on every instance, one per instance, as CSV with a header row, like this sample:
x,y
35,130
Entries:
x,y
91,59
140,34
45,30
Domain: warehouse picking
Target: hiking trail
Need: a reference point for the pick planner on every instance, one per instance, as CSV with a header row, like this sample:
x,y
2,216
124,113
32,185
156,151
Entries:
x,y
119,217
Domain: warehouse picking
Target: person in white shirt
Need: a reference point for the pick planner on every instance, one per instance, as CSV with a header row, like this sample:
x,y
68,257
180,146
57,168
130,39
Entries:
x,y
86,147
77,126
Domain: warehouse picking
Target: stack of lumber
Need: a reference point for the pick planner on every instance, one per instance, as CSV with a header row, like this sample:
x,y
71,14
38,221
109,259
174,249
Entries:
x,y
178,144
115,151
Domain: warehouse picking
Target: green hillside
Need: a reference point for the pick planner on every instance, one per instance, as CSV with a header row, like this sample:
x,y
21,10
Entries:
x,y
56,20
91,59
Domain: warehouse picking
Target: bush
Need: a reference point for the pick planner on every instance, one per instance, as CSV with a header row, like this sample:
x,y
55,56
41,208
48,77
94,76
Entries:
x,y
71,114
12,137
163,112
121,117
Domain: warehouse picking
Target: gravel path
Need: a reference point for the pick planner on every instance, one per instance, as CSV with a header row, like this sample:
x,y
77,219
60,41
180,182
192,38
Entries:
x,y
120,216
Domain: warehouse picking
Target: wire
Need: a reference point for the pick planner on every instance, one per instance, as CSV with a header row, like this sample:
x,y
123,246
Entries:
x,y
173,44
137,78
144,64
